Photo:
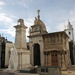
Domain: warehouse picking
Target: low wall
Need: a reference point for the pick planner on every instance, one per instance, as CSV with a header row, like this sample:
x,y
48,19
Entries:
x,y
49,70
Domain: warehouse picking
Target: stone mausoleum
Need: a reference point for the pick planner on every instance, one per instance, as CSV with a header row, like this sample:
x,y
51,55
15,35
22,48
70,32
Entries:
x,y
46,49
49,49
21,46
5,47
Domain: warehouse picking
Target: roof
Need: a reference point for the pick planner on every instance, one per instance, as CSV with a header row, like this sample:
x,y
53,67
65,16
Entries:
x,y
8,42
37,21
61,32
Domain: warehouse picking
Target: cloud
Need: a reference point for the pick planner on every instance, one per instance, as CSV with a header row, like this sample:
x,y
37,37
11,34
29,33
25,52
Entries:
x,y
8,31
28,22
0,7
24,3
6,20
2,3
9,23
62,25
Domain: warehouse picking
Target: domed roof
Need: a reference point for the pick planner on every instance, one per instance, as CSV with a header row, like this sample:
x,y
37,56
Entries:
x,y
37,21
42,24
69,26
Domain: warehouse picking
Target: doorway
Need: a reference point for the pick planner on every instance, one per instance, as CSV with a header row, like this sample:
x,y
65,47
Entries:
x,y
3,55
37,55
54,58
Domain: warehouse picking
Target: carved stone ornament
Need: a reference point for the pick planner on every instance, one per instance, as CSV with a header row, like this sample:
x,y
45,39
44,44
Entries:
x,y
20,22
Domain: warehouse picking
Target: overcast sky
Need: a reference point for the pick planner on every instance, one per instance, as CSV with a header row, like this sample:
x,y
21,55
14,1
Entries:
x,y
54,14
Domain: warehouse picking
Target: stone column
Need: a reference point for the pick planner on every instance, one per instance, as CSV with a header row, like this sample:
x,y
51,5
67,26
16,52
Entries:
x,y
59,59
46,59
49,59
20,44
63,63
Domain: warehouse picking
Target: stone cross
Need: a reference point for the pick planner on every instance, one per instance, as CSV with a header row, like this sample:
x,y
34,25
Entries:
x,y
38,13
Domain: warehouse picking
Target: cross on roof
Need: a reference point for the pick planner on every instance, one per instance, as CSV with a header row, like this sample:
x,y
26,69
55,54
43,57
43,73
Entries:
x,y
38,11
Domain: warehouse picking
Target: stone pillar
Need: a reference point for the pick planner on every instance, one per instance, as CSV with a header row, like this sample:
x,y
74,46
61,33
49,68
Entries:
x,y
59,59
20,39
46,59
20,44
49,59
63,63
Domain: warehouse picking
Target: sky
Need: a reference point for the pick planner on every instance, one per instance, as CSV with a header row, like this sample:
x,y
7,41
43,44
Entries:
x,y
54,14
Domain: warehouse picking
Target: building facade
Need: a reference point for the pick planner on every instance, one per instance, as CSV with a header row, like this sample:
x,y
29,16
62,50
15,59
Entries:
x,y
20,44
5,47
36,41
70,32
48,49
56,50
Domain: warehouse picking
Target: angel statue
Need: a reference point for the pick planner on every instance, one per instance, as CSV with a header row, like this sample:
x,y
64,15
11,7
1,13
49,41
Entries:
x,y
13,61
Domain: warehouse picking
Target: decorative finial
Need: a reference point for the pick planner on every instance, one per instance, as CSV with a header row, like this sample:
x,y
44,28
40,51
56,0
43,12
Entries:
x,y
38,13
20,22
69,22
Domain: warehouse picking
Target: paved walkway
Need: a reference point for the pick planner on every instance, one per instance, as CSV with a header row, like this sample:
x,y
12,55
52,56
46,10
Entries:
x,y
70,71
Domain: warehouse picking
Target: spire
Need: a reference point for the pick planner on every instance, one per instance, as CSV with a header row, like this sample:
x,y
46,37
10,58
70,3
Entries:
x,y
69,26
69,22
38,11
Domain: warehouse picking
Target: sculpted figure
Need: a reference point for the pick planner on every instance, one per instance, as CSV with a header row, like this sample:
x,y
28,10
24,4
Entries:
x,y
21,21
36,20
13,61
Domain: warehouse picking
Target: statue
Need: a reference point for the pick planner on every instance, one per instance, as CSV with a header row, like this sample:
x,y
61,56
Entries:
x,y
35,21
13,61
37,18
21,22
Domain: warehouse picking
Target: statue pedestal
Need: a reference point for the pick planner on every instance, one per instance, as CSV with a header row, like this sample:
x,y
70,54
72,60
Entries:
x,y
20,44
23,59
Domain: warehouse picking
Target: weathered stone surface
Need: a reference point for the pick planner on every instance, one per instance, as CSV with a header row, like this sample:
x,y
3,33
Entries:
x,y
25,74
56,47
9,73
49,70
20,44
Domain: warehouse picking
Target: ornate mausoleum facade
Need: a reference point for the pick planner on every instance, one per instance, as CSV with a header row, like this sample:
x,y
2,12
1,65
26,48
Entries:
x,y
48,49
56,50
